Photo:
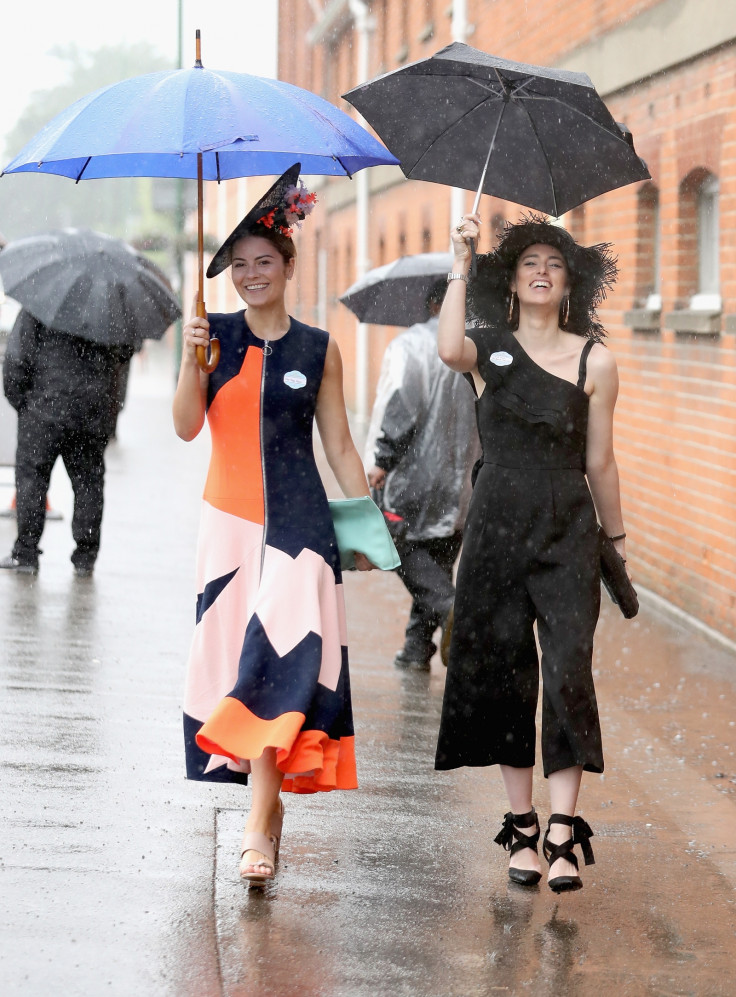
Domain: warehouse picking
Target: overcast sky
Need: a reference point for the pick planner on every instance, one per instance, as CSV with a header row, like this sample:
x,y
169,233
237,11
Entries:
x,y
238,35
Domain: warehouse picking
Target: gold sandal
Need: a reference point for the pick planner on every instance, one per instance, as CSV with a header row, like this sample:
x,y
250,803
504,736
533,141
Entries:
x,y
264,869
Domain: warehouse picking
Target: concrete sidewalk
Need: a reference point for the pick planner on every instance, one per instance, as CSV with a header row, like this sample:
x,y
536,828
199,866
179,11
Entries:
x,y
119,877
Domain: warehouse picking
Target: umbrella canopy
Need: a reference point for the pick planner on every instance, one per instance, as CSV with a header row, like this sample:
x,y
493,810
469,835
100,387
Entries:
x,y
538,137
157,124
396,293
89,285
208,124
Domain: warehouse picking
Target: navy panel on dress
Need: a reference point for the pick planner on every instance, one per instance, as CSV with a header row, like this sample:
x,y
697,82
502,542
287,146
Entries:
x,y
269,684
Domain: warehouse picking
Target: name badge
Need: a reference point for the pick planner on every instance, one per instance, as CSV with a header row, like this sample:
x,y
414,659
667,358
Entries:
x,y
502,358
295,379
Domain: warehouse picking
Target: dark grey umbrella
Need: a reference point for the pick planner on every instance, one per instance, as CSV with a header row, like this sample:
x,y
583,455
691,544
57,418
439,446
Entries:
x,y
89,285
538,137
396,293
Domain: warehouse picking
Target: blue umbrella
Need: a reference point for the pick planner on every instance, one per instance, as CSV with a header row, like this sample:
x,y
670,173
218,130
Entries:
x,y
208,124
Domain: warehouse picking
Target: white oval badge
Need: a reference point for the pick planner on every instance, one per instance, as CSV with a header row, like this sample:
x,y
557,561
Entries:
x,y
502,358
295,379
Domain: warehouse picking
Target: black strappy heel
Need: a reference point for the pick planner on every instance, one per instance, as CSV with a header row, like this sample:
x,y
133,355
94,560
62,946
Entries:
x,y
509,832
581,835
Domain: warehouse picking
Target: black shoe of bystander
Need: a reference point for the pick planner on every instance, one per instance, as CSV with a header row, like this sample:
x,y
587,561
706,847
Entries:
x,y
13,564
410,662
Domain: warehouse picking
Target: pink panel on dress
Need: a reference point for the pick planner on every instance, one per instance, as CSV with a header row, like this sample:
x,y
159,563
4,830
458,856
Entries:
x,y
299,596
218,638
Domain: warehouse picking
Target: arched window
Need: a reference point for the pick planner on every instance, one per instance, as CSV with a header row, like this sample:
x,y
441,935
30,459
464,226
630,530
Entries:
x,y
698,263
708,238
427,230
648,249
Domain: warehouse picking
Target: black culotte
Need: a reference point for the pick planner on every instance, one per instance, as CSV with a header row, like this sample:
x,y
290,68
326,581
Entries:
x,y
530,554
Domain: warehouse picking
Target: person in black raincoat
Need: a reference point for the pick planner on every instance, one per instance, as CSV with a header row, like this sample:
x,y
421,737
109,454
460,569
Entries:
x,y
60,386
421,444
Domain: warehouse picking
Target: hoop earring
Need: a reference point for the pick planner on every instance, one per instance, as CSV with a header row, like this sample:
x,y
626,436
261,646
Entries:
x,y
512,302
565,311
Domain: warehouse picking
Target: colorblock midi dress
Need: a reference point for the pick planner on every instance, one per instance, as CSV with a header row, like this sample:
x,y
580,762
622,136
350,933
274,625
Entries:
x,y
530,555
268,665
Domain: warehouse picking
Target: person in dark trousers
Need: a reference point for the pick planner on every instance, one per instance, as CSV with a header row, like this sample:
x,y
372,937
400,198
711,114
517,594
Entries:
x,y
421,445
60,386
530,567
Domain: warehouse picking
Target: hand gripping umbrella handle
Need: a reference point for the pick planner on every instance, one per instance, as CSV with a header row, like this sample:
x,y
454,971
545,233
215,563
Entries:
x,y
207,364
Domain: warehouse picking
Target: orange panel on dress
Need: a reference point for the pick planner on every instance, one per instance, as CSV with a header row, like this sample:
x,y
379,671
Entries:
x,y
233,731
235,479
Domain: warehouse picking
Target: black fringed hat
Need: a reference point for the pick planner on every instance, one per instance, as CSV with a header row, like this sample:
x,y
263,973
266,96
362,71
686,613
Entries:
x,y
592,271
283,206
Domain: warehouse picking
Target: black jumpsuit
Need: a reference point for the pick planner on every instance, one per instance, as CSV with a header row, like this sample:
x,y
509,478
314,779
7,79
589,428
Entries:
x,y
531,553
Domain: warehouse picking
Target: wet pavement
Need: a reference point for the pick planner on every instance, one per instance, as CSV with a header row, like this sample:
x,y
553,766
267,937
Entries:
x,y
119,877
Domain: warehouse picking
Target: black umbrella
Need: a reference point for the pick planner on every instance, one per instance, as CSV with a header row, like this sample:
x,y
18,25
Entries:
x,y
89,285
396,293
538,137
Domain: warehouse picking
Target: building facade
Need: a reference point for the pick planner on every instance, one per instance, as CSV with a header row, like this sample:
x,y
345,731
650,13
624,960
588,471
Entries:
x,y
666,68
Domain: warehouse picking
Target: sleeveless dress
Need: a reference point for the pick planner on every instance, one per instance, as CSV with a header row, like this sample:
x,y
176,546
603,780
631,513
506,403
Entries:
x,y
530,554
268,665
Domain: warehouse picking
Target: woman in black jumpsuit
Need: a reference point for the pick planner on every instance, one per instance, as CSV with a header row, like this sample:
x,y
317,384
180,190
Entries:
x,y
546,391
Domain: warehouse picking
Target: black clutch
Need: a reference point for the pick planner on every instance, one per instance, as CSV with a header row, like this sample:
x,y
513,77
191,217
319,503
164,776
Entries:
x,y
614,578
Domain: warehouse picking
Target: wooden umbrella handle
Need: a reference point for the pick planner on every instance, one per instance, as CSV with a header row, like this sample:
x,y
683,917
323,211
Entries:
x,y
207,364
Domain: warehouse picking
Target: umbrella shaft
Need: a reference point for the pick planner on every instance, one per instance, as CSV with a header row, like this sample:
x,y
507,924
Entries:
x,y
488,159
200,232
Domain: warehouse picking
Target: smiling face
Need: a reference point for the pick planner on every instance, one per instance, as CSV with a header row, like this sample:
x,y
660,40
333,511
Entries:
x,y
541,276
259,272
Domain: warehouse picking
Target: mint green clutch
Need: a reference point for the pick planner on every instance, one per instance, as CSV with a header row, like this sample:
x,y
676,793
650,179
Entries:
x,y
359,525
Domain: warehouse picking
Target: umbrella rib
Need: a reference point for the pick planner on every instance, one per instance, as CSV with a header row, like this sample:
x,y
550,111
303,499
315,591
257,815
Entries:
x,y
455,124
81,172
348,174
569,107
546,159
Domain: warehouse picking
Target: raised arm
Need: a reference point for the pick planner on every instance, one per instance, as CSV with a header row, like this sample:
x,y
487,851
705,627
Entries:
x,y
190,398
455,349
601,468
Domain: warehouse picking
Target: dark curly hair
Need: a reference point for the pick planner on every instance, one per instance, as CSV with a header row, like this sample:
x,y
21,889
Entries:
x,y
592,271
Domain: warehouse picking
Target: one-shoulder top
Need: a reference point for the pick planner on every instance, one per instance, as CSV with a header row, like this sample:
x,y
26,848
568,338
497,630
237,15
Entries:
x,y
528,417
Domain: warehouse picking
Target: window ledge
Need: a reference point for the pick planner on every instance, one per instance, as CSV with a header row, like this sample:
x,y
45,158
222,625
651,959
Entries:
x,y
402,54
699,323
643,320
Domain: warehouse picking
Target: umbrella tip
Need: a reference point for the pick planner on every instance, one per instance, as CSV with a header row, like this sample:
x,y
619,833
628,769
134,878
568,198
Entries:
x,y
198,50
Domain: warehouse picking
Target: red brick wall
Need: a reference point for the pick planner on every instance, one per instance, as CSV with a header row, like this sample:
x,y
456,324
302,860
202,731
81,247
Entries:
x,y
677,410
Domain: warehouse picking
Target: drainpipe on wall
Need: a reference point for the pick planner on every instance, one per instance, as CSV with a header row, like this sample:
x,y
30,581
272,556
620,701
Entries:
x,y
459,34
363,27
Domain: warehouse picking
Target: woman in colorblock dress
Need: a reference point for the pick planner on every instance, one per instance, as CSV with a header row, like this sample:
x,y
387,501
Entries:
x,y
268,690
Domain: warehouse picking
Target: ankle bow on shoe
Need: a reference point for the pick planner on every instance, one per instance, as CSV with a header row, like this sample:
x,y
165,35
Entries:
x,y
510,831
581,835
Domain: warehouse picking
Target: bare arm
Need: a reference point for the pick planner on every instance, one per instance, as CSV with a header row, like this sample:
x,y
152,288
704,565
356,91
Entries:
x,y
455,349
190,398
601,468
334,431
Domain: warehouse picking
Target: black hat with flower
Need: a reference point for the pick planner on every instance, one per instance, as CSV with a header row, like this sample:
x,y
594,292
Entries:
x,y
592,272
281,209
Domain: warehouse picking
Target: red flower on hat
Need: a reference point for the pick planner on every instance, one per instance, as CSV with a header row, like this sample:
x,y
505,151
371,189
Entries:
x,y
296,204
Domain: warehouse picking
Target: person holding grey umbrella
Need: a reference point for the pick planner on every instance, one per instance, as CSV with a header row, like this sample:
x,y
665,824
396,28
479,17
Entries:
x,y
421,445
